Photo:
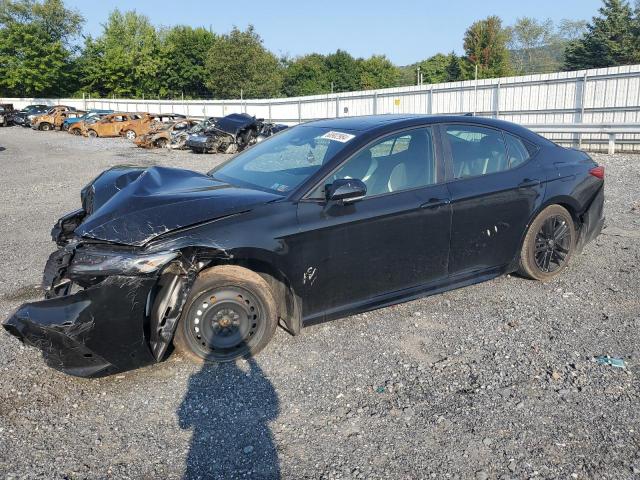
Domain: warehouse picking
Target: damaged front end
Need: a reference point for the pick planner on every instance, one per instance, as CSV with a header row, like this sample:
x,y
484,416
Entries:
x,y
107,308
113,291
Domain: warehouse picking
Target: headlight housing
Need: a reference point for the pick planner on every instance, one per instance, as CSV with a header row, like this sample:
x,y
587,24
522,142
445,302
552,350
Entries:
x,y
102,263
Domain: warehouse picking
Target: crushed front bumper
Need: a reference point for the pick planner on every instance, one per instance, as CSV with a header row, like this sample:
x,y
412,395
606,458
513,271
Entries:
x,y
198,143
98,331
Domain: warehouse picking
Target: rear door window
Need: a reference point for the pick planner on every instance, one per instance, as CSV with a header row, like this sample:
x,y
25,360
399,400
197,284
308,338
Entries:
x,y
476,150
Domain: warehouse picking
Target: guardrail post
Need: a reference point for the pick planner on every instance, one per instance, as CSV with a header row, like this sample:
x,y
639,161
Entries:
x,y
375,103
299,111
583,95
269,105
497,99
337,106
612,143
430,111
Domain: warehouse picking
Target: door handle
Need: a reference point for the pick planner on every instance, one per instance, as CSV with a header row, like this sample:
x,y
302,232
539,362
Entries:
x,y
527,182
435,202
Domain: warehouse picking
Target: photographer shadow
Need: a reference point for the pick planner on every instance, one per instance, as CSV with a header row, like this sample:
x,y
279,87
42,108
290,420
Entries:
x,y
229,411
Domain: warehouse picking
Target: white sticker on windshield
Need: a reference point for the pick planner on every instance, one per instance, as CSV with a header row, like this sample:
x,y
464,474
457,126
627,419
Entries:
x,y
338,136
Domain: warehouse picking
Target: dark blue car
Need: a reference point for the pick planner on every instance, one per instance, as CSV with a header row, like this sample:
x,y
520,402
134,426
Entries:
x,y
320,221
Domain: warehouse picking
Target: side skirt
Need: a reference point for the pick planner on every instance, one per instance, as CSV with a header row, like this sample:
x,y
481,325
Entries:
x,y
406,295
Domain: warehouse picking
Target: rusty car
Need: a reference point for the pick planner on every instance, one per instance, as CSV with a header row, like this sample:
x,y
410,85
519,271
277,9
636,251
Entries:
x,y
147,123
53,118
110,125
173,135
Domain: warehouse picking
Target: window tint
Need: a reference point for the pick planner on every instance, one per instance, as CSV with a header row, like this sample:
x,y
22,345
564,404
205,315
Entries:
x,y
399,162
518,152
476,150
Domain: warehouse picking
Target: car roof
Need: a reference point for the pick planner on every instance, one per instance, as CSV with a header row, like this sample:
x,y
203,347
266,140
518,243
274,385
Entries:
x,y
379,124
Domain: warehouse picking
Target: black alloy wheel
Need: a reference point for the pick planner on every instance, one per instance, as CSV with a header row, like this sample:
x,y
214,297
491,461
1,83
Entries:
x,y
548,245
553,243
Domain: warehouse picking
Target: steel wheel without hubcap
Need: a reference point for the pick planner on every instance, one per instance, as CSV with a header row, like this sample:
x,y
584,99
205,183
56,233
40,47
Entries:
x,y
231,314
548,245
222,322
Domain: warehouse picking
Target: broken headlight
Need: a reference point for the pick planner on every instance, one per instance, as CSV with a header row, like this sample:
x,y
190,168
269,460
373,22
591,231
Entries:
x,y
101,263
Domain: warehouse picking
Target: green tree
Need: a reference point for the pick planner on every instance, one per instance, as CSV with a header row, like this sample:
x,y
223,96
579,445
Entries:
x,y
434,69
378,72
238,62
36,55
307,75
485,45
611,39
184,53
343,71
125,60
454,72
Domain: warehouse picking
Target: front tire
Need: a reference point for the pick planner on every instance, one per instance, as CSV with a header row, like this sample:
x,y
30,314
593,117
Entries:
x,y
231,313
92,134
548,245
45,127
130,134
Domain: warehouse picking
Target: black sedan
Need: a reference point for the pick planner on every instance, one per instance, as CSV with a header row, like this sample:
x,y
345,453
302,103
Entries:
x,y
320,221
24,116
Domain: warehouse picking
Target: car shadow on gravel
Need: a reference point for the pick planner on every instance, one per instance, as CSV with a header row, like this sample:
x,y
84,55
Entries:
x,y
228,409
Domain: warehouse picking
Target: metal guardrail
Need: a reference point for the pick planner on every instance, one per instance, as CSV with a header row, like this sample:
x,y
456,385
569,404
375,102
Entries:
x,y
611,130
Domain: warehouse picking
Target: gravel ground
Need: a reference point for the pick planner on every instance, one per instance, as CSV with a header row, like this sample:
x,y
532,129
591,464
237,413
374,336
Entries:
x,y
495,380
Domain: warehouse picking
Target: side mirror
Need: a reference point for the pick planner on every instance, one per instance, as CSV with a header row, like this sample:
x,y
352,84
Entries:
x,y
345,190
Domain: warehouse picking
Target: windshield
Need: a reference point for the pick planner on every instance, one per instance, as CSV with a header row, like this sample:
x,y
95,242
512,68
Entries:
x,y
285,160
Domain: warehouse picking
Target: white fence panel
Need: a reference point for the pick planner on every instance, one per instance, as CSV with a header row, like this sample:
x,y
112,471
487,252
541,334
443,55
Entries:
x,y
597,96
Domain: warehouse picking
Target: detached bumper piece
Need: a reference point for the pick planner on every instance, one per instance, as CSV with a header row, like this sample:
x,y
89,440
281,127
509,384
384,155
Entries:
x,y
95,332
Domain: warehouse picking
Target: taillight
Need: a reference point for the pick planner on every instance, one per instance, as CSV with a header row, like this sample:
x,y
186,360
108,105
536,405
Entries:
x,y
598,172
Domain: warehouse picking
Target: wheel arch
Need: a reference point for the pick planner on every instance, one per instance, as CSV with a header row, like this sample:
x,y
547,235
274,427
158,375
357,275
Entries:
x,y
287,301
565,201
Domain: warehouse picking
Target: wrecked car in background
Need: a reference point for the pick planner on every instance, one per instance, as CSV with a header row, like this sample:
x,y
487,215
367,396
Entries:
x,y
70,121
52,119
23,117
148,122
173,135
6,114
110,125
232,134
81,127
326,219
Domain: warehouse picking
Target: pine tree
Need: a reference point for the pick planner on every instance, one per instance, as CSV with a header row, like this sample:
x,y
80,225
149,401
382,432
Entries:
x,y
610,39
454,71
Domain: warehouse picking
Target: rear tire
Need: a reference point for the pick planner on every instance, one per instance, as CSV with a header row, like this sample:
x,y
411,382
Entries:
x,y
231,313
548,245
45,127
92,134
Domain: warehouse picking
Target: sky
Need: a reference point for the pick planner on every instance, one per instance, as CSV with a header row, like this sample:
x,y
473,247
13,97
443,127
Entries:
x,y
406,31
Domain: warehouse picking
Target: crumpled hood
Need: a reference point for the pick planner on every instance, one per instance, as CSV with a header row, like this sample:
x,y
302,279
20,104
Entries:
x,y
133,205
